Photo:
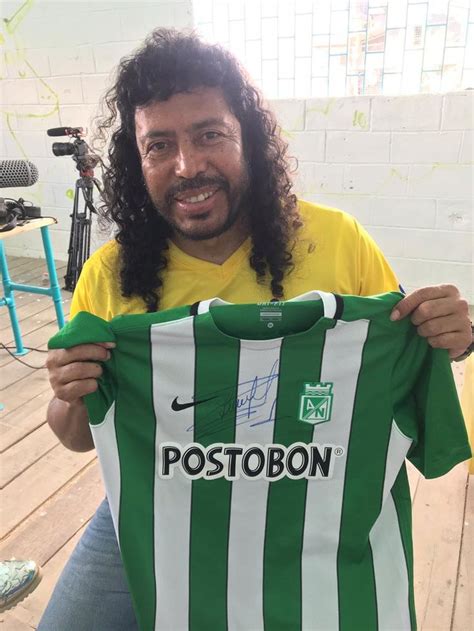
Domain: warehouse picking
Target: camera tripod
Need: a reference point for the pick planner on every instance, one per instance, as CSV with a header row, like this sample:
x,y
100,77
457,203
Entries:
x,y
80,236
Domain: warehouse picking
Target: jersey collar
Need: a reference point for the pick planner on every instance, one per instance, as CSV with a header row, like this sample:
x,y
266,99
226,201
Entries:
x,y
331,303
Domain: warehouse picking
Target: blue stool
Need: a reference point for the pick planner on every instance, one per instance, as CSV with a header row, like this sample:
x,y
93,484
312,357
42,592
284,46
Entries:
x,y
9,287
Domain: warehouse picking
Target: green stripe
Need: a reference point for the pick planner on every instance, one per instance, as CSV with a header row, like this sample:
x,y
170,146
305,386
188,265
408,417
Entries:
x,y
217,366
300,362
137,453
365,467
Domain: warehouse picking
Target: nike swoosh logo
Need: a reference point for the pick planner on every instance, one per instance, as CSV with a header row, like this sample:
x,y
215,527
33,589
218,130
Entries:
x,y
177,407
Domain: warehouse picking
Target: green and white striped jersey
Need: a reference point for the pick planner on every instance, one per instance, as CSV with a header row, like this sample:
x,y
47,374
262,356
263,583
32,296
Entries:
x,y
253,457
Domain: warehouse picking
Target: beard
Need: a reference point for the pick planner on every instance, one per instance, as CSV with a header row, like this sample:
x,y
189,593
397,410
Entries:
x,y
237,205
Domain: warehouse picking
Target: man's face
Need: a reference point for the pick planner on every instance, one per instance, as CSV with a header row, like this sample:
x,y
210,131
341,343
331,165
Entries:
x,y
193,162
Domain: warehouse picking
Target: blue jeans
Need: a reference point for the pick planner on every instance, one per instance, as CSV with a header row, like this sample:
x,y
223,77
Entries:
x,y
92,592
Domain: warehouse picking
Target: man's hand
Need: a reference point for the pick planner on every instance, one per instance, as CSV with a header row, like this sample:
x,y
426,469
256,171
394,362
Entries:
x,y
441,315
73,372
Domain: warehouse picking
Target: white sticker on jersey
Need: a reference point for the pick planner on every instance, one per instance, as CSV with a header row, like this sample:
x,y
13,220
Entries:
x,y
251,462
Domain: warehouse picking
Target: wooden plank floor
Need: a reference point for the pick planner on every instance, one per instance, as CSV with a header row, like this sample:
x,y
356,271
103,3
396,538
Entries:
x,y
49,493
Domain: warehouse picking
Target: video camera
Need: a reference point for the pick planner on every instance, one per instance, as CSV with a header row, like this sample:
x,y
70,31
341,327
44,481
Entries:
x,y
80,151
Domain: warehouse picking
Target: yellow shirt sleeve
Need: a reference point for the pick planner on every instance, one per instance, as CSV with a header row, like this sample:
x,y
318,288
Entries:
x,y
80,298
375,274
467,403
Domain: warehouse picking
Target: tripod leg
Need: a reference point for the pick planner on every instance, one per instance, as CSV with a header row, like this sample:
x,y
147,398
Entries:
x,y
88,195
87,191
79,244
68,279
80,247
87,249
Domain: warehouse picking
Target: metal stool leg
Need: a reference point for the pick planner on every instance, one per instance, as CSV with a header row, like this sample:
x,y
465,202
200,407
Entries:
x,y
53,277
9,301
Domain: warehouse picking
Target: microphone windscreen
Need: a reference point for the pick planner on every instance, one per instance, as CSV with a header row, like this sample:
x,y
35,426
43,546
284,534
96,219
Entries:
x,y
15,173
64,131
57,131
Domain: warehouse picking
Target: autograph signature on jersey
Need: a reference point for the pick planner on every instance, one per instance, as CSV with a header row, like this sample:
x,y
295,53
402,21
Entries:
x,y
254,404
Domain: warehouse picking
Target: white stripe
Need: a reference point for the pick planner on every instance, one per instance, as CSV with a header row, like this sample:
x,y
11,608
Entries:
x,y
329,301
398,447
257,373
391,574
173,376
105,441
341,364
330,304
205,305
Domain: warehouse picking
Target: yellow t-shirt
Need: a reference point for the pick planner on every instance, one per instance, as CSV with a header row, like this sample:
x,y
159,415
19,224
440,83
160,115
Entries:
x,y
332,253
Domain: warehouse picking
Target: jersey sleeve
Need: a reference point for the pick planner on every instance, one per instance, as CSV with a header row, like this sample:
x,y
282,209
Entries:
x,y
375,274
86,328
427,409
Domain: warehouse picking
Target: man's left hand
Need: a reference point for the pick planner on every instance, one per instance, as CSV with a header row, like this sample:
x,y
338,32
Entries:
x,y
441,315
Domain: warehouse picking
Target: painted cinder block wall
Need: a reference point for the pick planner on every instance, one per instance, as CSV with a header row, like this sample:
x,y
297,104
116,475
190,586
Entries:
x,y
401,165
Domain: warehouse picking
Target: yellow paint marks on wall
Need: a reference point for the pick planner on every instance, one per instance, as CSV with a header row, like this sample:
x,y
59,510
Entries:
x,y
10,56
396,173
16,58
442,165
324,110
433,168
8,121
17,18
360,120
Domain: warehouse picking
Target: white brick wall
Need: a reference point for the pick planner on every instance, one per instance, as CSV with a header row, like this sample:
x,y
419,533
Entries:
x,y
434,147
406,176
349,147
401,165
457,111
404,113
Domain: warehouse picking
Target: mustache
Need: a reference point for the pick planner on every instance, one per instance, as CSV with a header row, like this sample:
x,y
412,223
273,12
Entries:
x,y
196,182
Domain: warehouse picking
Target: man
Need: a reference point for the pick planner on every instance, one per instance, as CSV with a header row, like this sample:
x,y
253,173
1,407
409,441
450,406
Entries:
x,y
199,188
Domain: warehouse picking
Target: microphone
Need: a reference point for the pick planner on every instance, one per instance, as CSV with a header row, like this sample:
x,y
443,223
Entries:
x,y
15,173
64,131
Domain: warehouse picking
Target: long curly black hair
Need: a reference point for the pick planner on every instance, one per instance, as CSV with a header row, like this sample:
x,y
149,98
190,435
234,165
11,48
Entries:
x,y
167,63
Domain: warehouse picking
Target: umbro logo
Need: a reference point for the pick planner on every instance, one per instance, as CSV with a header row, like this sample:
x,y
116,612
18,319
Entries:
x,y
177,407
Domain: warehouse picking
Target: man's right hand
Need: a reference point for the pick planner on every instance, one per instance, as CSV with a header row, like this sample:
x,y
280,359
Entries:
x,y
73,373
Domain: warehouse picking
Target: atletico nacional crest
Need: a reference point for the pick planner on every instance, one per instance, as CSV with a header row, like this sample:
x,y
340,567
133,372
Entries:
x,y
316,403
